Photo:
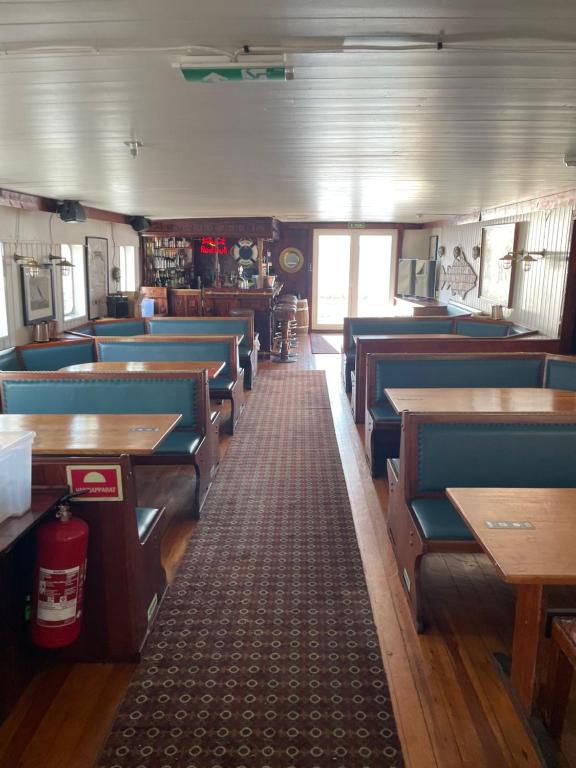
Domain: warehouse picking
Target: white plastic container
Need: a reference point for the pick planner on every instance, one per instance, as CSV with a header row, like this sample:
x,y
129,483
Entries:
x,y
15,473
147,308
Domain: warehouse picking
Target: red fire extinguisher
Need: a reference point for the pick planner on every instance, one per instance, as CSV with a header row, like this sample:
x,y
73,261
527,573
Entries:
x,y
59,579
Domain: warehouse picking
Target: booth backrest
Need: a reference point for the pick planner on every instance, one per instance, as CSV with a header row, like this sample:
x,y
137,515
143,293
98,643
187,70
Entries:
x,y
455,311
487,450
455,370
66,392
560,373
127,327
55,355
391,326
171,348
9,360
204,326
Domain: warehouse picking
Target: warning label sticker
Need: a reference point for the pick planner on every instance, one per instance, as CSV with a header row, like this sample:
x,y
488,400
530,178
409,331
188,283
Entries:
x,y
99,483
58,593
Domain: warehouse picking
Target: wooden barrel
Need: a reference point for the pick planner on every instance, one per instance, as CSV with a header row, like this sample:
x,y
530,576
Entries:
x,y
302,316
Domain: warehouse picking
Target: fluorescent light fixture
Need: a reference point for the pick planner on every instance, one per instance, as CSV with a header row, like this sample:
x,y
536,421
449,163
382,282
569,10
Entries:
x,y
570,162
219,69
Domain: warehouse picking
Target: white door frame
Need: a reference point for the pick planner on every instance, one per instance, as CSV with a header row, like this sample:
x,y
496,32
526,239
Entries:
x,y
354,235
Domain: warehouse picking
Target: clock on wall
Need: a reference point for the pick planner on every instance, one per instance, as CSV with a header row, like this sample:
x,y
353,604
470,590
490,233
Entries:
x,y
291,260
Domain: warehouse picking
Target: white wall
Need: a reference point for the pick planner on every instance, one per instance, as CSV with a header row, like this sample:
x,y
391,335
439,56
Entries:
x,y
538,295
42,233
416,243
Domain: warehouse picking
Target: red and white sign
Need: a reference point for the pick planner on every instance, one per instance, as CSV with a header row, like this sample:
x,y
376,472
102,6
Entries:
x,y
102,483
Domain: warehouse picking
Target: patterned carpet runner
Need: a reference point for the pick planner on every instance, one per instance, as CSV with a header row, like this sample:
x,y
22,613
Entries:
x,y
265,654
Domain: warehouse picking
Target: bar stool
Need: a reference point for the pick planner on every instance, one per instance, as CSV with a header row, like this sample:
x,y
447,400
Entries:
x,y
561,667
284,330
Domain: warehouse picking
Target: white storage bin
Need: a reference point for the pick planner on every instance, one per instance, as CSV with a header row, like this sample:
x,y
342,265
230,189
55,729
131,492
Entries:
x,y
147,308
15,473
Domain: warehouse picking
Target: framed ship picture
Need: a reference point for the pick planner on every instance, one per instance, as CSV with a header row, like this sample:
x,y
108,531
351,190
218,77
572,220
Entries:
x,y
37,295
97,275
496,281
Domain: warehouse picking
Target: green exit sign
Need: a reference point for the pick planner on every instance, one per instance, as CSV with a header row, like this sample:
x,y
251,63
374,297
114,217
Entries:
x,y
224,74
356,225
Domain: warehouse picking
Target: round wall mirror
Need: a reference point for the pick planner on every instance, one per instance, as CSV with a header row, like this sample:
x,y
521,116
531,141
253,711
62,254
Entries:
x,y
291,260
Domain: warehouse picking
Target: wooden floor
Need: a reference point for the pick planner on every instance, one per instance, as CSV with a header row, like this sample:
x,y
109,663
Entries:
x,y
451,707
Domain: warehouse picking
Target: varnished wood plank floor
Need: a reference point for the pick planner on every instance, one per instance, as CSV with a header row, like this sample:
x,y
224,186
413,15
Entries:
x,y
450,705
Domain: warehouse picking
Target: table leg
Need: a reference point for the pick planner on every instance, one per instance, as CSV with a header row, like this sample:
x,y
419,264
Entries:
x,y
528,632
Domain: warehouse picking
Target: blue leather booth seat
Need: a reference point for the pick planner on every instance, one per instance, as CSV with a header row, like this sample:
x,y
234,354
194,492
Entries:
x,y
396,327
167,350
202,327
54,357
120,328
439,520
87,395
561,374
9,360
463,372
495,455
470,328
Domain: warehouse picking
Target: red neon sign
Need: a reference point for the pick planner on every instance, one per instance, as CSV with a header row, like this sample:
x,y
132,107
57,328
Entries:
x,y
213,245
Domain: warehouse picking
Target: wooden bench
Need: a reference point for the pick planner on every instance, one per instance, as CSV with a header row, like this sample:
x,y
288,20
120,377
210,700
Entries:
x,y
214,326
473,327
422,344
174,392
561,665
481,369
469,451
229,385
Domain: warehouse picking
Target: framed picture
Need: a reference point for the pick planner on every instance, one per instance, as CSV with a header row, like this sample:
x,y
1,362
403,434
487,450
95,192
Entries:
x,y
37,295
433,247
496,282
97,275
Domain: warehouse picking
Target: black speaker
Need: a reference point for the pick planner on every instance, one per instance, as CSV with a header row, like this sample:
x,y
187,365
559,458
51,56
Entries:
x,y
140,223
71,211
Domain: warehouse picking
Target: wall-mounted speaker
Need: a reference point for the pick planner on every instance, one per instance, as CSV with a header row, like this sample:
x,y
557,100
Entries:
x,y
71,211
140,223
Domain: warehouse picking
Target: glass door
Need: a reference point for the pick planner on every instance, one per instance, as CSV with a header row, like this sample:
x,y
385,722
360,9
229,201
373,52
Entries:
x,y
353,276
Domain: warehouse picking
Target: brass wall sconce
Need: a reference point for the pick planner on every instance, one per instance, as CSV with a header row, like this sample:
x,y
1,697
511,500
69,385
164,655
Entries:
x,y
526,258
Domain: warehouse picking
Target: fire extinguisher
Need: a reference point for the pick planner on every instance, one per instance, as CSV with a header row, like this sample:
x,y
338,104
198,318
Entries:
x,y
61,547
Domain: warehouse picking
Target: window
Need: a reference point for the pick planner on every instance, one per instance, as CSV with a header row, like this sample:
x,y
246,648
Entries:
x,y
127,268
73,282
3,312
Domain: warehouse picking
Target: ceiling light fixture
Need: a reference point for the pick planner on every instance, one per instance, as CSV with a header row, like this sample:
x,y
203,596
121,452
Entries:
x,y
247,68
134,147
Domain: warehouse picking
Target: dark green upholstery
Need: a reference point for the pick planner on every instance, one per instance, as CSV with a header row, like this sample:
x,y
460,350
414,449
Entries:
x,y
175,326
220,382
9,360
455,311
166,350
396,326
470,328
439,520
103,396
396,464
54,357
463,372
120,328
145,519
561,374
495,455
383,411
181,441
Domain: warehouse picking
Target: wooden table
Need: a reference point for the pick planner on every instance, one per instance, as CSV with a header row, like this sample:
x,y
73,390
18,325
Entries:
x,y
150,366
93,434
482,400
530,557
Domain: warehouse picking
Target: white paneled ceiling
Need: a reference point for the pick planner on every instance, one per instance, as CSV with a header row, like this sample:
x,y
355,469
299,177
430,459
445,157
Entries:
x,y
357,135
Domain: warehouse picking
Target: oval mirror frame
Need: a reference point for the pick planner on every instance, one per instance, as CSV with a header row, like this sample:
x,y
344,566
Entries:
x,y
291,260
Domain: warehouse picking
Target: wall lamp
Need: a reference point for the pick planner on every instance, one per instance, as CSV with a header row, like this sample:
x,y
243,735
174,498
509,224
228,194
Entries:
x,y
526,258
59,261
29,264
